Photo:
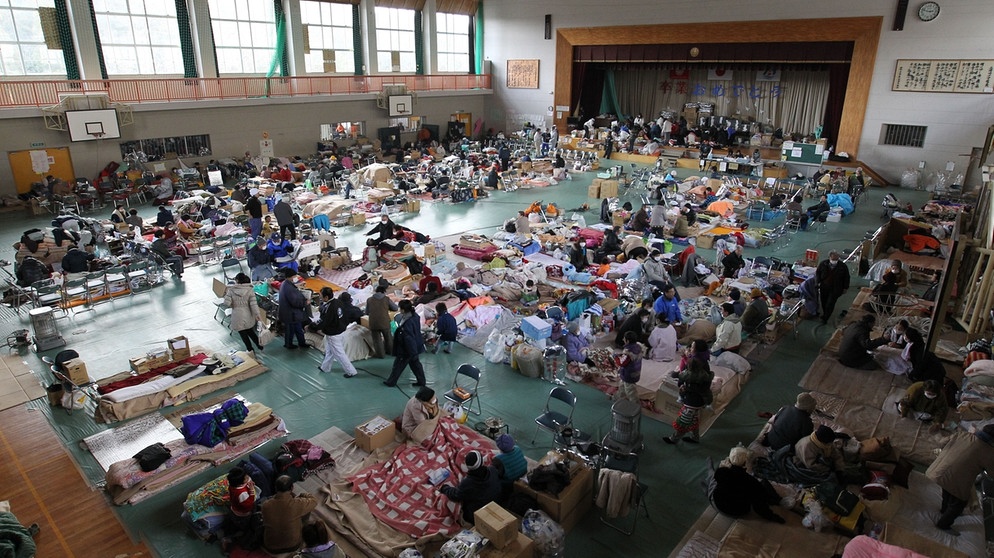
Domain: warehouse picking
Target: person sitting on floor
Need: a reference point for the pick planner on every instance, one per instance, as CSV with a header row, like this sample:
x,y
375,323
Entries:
x,y
317,542
480,486
637,322
855,348
728,332
513,463
791,424
576,346
735,298
818,452
654,270
238,527
662,341
668,305
926,402
903,360
282,515
419,409
732,263
734,492
816,212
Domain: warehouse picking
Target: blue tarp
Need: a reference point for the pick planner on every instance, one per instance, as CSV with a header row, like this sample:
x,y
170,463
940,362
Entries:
x,y
843,201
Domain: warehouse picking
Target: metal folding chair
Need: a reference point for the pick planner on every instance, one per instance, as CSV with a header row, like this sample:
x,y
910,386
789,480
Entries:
x,y
472,389
552,420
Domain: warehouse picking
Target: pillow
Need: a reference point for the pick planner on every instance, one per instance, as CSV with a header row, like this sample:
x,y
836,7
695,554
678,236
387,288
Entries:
x,y
875,449
736,362
980,367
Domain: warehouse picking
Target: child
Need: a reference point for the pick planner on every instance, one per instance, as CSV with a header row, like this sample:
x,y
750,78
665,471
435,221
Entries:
x,y
629,367
241,496
530,293
445,326
267,226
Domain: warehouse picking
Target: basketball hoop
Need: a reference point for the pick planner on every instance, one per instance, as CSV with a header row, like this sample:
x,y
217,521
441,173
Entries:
x,y
97,135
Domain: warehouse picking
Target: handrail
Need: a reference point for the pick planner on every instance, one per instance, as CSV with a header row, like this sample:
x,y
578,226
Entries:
x,y
43,93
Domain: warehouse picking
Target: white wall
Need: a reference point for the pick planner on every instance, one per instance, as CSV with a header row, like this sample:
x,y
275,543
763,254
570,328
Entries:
x,y
234,127
957,122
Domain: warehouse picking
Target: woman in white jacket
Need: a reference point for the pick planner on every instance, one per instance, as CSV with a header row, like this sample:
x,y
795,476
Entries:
x,y
729,331
662,340
240,297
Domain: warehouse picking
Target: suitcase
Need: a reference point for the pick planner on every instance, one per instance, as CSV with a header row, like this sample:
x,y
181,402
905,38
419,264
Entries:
x,y
479,254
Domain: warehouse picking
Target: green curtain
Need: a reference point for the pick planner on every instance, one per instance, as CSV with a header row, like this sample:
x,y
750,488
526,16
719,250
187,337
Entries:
x,y
609,98
186,40
281,58
65,40
357,39
96,38
478,39
419,43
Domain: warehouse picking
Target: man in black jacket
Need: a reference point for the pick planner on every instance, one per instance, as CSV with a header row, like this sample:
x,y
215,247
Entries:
x,y
733,262
336,315
384,230
815,211
790,424
254,208
76,262
480,486
855,346
833,281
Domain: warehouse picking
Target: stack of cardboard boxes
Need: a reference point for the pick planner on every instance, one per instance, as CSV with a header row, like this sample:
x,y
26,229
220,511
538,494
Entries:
x,y
603,188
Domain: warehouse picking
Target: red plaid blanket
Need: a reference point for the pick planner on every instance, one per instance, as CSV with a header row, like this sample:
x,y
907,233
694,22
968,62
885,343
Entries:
x,y
397,490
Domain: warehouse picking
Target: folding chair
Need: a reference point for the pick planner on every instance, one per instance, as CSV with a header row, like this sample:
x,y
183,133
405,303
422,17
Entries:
x,y
793,221
139,280
75,294
116,281
470,390
554,421
96,287
761,266
231,267
619,470
47,293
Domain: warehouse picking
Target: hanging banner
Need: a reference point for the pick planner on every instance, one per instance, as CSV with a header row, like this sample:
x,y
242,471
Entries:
x,y
719,74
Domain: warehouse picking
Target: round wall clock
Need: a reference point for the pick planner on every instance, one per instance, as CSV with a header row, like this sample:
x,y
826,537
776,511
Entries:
x,y
928,11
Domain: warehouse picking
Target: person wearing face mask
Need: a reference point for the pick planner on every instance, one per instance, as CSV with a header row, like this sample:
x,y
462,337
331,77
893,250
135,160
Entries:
x,y
655,271
833,282
856,346
924,401
384,229
637,322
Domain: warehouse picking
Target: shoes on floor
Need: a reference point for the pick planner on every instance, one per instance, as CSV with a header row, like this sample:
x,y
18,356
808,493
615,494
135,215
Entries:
x,y
692,440
670,441
352,375
321,370
388,384
446,351
34,528
764,414
417,384
290,347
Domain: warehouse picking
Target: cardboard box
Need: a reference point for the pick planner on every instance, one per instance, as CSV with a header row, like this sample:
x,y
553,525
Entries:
x,y
569,507
594,190
413,206
76,371
374,433
526,166
618,219
496,524
357,219
609,189
520,547
148,363
179,347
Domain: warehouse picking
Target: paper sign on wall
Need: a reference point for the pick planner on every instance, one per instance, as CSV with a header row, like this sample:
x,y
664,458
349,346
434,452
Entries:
x,y
40,161
266,148
819,149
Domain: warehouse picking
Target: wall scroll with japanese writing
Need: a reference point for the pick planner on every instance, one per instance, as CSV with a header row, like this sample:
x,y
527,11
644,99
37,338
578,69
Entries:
x,y
522,74
948,76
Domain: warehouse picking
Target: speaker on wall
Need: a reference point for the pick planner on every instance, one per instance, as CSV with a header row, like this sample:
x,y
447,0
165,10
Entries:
x,y
548,26
899,15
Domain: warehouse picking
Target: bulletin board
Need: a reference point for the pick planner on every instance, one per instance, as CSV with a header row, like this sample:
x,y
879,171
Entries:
x,y
794,152
27,166
522,74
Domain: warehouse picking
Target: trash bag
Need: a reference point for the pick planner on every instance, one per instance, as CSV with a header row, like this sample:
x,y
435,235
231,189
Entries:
x,y
494,349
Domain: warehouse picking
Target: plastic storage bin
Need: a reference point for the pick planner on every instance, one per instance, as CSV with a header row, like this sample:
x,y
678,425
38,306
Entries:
x,y
536,328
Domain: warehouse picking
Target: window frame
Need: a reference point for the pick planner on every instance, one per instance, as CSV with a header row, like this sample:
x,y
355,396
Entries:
x,y
439,53
377,28
242,25
350,43
110,48
16,45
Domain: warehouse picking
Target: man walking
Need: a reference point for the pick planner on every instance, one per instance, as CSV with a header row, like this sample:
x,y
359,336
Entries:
x,y
833,281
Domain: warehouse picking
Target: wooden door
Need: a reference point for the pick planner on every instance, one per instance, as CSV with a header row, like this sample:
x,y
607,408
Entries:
x,y
59,166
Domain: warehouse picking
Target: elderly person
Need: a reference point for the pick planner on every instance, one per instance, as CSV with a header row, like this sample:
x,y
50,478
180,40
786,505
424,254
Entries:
x,y
282,517
576,346
818,452
926,402
732,262
833,282
955,470
654,270
734,492
728,333
856,346
791,424
662,341
421,408
756,312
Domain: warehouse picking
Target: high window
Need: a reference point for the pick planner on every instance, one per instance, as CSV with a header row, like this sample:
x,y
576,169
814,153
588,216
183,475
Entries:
x,y
139,37
395,40
328,37
29,39
244,35
452,38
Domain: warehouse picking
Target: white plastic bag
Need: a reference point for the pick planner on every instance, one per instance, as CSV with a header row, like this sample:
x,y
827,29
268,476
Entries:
x,y
74,400
494,349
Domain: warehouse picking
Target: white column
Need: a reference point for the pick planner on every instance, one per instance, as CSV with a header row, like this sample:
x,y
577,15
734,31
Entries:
x,y
203,43
86,41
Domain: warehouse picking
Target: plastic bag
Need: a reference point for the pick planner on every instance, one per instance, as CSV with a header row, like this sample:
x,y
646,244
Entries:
x,y
494,349
549,537
580,221
457,412
410,553
74,400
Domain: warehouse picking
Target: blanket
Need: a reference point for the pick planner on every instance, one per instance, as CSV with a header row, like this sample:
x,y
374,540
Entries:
x,y
398,492
15,540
